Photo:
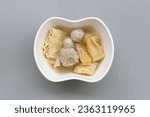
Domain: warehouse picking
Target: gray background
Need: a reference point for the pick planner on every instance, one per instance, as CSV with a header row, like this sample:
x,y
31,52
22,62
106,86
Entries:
x,y
129,23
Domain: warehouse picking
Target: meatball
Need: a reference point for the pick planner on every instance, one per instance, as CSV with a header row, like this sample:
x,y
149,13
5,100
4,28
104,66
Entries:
x,y
68,57
68,43
77,35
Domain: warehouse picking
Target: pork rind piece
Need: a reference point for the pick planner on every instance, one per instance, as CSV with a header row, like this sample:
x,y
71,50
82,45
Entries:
x,y
53,43
83,55
86,70
94,48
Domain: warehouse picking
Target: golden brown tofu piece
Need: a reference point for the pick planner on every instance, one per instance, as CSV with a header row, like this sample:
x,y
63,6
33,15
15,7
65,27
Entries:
x,y
53,43
57,62
94,48
83,55
51,61
86,70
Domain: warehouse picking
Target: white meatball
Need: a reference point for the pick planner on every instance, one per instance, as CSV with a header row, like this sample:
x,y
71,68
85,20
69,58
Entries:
x,y
68,57
68,43
77,35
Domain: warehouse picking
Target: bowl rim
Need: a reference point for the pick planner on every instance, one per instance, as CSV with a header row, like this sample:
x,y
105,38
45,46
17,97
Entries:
x,y
74,77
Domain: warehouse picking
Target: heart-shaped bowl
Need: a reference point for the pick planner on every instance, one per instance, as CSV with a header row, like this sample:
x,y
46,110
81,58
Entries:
x,y
101,29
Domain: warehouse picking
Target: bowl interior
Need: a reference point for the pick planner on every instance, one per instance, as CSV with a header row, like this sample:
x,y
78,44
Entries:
x,y
97,25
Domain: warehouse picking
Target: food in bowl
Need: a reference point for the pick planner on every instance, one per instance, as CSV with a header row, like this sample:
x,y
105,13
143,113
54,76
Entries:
x,y
89,25
78,49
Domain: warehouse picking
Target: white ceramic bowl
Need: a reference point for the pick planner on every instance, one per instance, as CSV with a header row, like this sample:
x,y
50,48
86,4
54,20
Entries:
x,y
95,23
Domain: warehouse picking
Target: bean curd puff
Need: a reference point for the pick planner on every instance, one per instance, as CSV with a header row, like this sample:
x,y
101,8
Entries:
x,y
77,35
68,43
68,57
